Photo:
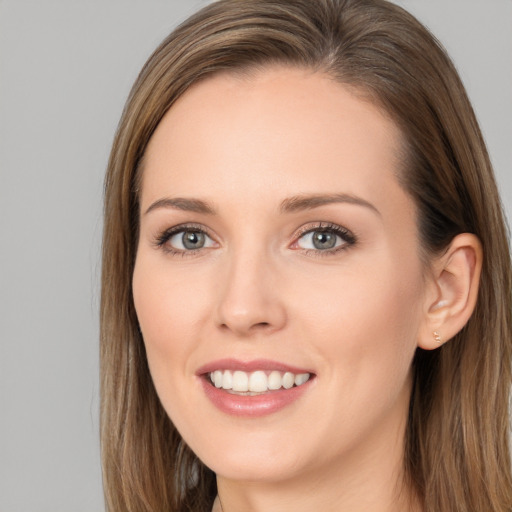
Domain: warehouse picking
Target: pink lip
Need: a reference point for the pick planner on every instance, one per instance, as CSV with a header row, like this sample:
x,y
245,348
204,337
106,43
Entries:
x,y
251,406
249,366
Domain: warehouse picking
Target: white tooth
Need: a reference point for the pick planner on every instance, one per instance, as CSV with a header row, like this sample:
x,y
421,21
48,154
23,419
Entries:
x,y
288,380
301,378
212,378
275,380
240,381
227,380
217,378
258,381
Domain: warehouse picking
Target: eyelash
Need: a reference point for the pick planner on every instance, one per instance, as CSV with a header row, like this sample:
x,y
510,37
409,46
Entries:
x,y
348,238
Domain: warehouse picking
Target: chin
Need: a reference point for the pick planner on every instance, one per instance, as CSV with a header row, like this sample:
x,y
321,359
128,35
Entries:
x,y
256,457
266,468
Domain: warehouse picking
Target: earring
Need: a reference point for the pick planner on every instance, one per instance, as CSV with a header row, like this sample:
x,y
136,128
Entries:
x,y
437,337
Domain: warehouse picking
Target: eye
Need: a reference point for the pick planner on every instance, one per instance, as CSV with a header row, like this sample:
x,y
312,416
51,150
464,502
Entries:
x,y
183,239
321,240
325,238
189,240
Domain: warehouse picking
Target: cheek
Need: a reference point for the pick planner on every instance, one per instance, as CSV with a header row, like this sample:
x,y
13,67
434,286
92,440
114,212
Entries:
x,y
167,300
381,295
366,322
168,308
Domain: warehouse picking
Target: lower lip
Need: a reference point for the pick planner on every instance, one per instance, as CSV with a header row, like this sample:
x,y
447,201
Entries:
x,y
256,405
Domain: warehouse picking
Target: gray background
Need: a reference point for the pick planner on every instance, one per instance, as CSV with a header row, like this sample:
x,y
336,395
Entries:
x,y
65,70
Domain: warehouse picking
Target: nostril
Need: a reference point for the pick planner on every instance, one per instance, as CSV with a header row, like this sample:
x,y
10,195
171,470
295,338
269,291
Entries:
x,y
261,324
248,329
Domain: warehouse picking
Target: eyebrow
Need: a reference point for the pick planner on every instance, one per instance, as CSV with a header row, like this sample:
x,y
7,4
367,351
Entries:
x,y
289,205
183,203
308,202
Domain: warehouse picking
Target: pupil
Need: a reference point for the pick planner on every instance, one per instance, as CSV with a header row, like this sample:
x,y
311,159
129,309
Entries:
x,y
193,240
323,240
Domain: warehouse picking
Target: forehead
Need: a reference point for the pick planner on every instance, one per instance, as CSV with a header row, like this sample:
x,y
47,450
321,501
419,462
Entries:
x,y
274,129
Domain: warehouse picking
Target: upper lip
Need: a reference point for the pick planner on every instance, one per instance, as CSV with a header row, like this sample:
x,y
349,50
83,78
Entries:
x,y
250,366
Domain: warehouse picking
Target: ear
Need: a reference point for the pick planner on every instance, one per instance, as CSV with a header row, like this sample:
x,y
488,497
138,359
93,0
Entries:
x,y
452,291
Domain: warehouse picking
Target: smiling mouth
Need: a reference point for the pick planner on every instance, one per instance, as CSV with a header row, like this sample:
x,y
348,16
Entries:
x,y
256,383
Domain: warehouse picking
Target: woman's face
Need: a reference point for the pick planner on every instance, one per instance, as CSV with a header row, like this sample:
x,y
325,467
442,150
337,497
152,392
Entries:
x,y
278,248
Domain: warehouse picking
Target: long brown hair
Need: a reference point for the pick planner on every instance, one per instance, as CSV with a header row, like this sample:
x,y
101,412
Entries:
x,y
457,452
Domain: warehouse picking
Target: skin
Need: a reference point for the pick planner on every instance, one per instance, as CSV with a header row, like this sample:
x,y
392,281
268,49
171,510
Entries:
x,y
259,289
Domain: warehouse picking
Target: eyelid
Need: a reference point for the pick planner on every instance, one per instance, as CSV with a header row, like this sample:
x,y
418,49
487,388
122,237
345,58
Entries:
x,y
322,226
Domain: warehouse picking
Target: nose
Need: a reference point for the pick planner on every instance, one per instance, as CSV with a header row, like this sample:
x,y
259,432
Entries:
x,y
250,301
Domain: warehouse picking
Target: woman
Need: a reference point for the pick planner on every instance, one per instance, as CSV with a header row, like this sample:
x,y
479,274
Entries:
x,y
306,274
